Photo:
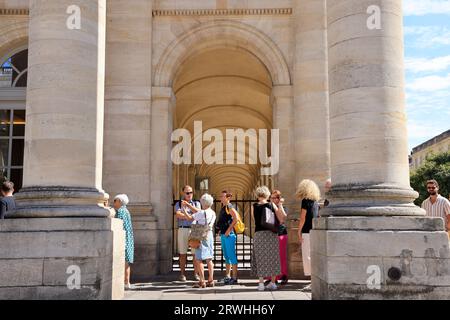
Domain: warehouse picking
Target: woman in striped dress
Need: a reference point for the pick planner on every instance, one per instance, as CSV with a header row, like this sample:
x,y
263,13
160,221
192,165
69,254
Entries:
x,y
120,204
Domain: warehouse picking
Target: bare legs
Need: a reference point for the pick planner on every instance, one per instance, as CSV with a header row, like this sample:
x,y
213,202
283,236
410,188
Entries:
x,y
196,266
127,273
228,271
201,271
183,260
210,264
235,271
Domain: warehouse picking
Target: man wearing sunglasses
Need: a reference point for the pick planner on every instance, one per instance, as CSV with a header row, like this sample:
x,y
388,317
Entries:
x,y
184,228
436,205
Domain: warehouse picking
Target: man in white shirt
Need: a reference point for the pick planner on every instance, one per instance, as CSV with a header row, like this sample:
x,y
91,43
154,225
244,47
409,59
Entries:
x,y
436,205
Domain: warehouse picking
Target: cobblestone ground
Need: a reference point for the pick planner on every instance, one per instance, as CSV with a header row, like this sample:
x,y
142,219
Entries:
x,y
168,288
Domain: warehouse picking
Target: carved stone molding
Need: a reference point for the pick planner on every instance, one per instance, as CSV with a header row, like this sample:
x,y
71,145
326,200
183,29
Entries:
x,y
221,12
14,12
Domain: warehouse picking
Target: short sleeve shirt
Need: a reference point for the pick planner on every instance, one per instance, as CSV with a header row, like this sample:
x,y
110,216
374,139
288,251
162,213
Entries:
x,y
441,208
200,216
186,223
260,212
310,206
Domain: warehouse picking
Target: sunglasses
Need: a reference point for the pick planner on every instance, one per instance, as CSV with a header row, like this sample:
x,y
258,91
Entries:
x,y
432,188
188,193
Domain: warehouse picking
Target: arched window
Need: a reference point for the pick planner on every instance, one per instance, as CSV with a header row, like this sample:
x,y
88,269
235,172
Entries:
x,y
13,82
13,71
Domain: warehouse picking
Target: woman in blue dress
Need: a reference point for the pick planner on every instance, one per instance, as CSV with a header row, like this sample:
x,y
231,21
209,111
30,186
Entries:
x,y
120,204
206,216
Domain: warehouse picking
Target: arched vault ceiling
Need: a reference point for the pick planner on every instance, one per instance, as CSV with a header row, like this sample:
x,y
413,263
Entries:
x,y
203,95
226,62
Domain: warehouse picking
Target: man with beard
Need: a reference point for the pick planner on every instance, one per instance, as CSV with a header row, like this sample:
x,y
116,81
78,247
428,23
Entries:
x,y
436,205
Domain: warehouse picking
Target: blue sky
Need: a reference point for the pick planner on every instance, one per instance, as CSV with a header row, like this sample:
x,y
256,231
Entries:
x,y
427,63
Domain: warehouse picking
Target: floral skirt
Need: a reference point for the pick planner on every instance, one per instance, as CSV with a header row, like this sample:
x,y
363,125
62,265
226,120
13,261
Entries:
x,y
266,254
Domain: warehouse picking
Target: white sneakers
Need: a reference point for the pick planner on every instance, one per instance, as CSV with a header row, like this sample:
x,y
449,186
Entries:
x,y
270,287
129,286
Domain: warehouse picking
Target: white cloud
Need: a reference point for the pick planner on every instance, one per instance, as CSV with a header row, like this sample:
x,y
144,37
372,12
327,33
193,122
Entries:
x,y
422,101
428,114
424,7
429,83
423,130
427,36
417,65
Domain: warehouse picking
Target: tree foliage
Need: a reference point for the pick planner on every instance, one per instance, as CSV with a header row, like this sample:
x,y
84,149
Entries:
x,y
435,167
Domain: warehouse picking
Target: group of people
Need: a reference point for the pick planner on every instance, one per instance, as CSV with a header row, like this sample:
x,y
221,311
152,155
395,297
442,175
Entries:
x,y
189,212
270,240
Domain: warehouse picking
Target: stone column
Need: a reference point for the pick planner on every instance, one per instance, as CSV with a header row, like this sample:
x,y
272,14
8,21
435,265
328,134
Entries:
x,y
283,120
285,181
369,146
312,146
372,242
311,125
64,131
62,242
163,104
127,122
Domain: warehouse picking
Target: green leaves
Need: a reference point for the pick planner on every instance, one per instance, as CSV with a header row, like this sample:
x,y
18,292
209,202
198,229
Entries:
x,y
435,167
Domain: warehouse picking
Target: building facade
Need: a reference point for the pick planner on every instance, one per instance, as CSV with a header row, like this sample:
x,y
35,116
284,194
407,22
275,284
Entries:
x,y
108,82
168,65
438,144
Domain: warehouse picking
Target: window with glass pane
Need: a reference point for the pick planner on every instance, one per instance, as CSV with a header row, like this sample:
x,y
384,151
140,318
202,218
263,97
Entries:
x,y
12,142
13,71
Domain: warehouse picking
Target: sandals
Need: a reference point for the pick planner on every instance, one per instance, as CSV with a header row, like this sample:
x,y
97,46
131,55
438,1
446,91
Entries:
x,y
199,285
210,284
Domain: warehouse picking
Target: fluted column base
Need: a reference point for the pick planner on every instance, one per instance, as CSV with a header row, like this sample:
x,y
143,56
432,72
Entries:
x,y
59,201
372,200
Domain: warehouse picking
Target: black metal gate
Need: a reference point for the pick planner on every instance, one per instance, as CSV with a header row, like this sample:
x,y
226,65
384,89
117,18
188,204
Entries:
x,y
244,242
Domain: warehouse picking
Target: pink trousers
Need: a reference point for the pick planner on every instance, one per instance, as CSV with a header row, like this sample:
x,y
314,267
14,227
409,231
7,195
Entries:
x,y
283,242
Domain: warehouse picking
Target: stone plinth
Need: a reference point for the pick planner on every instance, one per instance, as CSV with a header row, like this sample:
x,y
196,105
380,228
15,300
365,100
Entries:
x,y
146,250
345,251
36,253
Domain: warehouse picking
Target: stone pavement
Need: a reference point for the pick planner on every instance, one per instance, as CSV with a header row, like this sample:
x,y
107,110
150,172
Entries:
x,y
168,288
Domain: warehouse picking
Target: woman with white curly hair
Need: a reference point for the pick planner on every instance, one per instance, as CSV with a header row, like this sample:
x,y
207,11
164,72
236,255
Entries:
x,y
309,193
120,205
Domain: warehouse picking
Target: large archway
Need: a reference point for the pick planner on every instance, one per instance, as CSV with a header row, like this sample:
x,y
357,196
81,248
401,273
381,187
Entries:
x,y
226,74
223,89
